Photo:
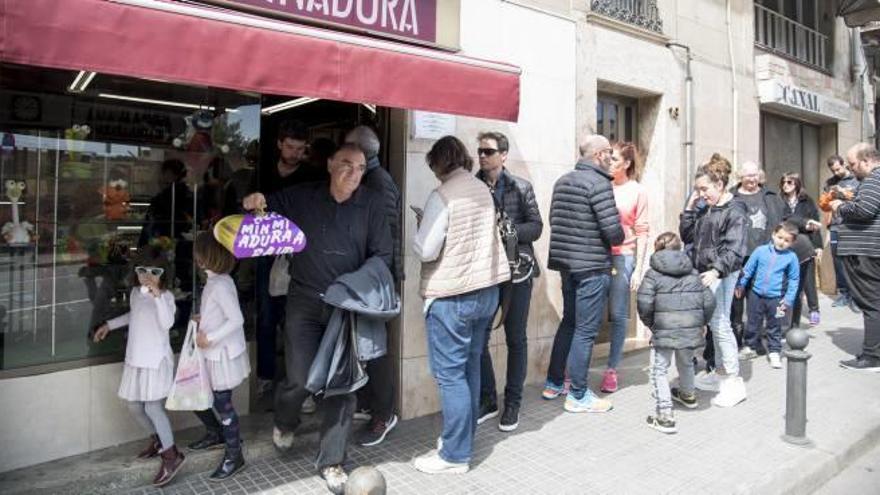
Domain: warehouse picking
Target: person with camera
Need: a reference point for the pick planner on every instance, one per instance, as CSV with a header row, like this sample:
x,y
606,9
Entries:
x,y
515,198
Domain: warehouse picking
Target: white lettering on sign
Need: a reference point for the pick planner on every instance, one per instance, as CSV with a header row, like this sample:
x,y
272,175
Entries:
x,y
395,15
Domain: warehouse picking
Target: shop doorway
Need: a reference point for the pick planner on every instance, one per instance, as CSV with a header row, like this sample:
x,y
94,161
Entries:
x,y
790,146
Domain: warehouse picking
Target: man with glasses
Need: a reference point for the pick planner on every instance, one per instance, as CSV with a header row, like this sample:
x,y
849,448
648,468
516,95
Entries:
x,y
765,212
345,226
859,250
584,224
515,196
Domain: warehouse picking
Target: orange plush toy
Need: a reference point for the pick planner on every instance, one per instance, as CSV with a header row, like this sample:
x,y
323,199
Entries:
x,y
827,197
116,200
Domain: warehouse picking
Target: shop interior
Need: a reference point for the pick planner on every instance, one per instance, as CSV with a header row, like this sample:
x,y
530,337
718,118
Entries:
x,y
97,168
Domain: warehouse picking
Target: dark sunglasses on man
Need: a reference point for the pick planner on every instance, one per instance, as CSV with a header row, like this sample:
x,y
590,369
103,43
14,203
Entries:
x,y
486,151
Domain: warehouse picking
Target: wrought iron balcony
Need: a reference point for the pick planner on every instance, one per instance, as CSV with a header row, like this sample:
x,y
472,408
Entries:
x,y
777,33
642,13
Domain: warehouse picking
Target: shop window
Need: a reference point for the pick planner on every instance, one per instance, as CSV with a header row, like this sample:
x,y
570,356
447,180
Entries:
x,y
109,166
616,118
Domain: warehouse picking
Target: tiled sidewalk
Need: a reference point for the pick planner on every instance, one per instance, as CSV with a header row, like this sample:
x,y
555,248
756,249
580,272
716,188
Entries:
x,y
716,450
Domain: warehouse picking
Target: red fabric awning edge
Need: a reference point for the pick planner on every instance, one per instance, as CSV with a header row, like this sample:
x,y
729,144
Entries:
x,y
113,38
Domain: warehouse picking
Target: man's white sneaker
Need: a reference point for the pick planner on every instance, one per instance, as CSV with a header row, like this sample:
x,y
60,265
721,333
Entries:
x,y
733,391
708,382
747,353
775,360
336,479
432,463
283,440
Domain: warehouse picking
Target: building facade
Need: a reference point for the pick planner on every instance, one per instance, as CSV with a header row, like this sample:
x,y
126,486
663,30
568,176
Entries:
x,y
759,81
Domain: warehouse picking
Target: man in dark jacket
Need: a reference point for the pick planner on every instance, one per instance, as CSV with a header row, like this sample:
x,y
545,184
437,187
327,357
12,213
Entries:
x,y
377,397
859,250
765,211
844,181
584,224
345,226
517,198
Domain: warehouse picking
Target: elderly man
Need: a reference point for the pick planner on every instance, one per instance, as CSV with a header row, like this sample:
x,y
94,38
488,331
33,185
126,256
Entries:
x,y
859,250
345,226
377,397
765,212
584,224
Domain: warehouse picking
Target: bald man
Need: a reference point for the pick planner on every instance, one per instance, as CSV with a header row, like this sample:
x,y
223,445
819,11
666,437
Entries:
x,y
859,250
584,224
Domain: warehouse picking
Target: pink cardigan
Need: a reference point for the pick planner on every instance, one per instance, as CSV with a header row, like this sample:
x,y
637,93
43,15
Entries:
x,y
632,204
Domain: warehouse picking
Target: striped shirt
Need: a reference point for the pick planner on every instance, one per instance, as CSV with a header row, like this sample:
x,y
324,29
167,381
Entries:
x,y
859,233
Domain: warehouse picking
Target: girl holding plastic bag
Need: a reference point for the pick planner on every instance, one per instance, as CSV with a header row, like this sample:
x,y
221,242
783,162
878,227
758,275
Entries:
x,y
148,372
221,340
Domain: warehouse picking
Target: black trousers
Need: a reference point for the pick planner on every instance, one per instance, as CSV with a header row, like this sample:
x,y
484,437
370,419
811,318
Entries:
x,y
304,327
378,394
807,285
863,278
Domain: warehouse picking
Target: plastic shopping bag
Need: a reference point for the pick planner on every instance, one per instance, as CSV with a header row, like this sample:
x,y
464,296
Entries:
x,y
250,236
191,390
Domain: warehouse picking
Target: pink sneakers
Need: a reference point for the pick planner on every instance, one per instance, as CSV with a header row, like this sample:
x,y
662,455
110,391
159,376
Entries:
x,y
609,381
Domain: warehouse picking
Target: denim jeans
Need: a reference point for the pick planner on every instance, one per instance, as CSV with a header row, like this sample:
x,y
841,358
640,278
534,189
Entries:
x,y
684,361
763,309
515,323
839,276
726,354
584,296
618,305
456,328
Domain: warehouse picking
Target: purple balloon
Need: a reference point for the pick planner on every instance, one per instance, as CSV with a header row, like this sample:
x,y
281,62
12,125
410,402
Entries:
x,y
250,236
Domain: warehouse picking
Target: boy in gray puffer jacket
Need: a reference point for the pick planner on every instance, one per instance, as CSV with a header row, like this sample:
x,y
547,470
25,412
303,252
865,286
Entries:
x,y
675,305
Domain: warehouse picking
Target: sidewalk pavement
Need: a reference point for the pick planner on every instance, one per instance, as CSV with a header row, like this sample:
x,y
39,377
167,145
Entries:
x,y
736,450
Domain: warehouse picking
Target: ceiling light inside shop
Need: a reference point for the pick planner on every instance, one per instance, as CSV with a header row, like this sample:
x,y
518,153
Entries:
x,y
81,81
369,107
287,105
156,102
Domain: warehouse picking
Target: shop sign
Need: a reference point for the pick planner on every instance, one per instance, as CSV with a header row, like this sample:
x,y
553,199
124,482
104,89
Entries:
x,y
431,125
775,93
413,20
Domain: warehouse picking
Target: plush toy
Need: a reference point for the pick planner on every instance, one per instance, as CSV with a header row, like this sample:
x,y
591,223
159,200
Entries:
x,y
16,233
75,136
835,192
116,200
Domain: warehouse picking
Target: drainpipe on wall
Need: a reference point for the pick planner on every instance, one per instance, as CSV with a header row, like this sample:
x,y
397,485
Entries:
x,y
858,70
735,93
688,115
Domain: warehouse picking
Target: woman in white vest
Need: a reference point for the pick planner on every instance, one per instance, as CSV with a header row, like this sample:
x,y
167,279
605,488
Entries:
x,y
463,261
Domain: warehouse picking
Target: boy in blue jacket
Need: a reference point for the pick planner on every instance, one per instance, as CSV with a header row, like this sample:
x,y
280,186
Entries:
x,y
774,267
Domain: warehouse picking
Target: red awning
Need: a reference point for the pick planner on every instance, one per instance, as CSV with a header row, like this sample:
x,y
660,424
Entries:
x,y
183,43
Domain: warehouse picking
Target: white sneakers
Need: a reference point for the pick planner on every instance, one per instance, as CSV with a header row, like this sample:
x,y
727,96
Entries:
x,y
432,463
283,440
775,360
732,391
708,382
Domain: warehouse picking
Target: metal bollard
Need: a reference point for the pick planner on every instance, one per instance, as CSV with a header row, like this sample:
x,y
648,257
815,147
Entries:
x,y
796,387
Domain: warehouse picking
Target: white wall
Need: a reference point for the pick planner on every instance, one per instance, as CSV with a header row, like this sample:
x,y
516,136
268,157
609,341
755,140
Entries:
x,y
542,148
55,415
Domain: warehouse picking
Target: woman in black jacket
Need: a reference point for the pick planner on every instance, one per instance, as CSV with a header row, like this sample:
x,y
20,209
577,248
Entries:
x,y
801,210
718,234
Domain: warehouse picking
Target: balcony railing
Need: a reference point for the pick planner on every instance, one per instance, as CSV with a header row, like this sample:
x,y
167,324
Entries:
x,y
782,35
642,13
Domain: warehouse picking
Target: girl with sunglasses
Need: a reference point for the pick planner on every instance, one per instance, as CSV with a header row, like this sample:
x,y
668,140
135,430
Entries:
x,y
149,362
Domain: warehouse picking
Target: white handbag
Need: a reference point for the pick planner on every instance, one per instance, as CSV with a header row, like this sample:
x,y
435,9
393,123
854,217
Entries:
x,y
279,276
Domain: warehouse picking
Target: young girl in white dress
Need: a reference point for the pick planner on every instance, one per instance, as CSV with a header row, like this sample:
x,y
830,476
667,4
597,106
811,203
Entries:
x,y
221,338
148,372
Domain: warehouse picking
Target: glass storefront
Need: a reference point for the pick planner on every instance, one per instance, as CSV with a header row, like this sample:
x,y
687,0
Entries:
x,y
93,177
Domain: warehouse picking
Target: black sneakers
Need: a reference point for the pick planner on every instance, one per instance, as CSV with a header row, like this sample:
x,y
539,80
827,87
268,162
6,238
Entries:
x,y
862,363
509,419
488,410
687,400
663,423
375,431
211,440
